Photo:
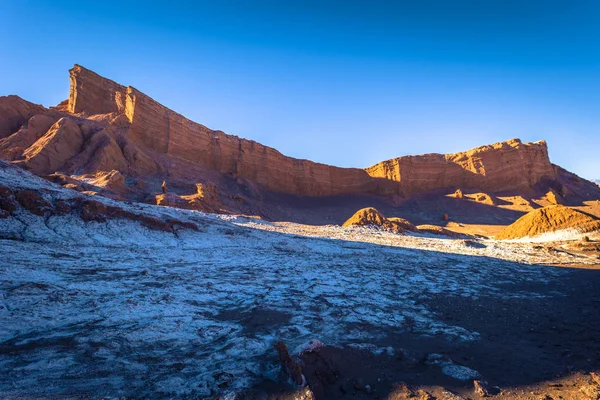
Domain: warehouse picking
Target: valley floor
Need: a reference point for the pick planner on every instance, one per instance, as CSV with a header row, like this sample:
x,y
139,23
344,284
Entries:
x,y
114,309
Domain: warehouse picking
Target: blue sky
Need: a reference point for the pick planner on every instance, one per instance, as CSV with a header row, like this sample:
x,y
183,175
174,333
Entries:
x,y
345,83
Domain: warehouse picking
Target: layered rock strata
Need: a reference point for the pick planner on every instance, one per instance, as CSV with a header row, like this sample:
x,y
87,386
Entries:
x,y
510,165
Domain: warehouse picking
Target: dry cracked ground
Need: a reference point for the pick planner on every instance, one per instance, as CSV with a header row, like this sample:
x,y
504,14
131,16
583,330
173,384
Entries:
x,y
112,309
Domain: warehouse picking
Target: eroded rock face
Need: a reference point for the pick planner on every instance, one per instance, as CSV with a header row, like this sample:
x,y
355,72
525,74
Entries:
x,y
160,130
116,135
63,141
13,146
502,166
90,93
510,165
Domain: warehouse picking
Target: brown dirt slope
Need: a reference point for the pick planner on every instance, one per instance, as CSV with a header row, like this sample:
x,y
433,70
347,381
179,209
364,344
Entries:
x,y
404,223
549,219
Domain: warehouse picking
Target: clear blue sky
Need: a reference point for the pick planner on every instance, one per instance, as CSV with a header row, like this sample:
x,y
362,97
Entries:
x,y
348,83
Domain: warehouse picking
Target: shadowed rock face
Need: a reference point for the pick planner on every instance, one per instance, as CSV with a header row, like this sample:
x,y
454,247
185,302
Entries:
x,y
14,111
502,166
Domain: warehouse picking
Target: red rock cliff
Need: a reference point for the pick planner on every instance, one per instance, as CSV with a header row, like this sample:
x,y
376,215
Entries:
x,y
511,165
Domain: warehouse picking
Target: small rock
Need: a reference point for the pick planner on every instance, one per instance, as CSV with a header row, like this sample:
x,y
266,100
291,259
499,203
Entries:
x,y
481,388
290,366
473,244
447,395
595,377
401,392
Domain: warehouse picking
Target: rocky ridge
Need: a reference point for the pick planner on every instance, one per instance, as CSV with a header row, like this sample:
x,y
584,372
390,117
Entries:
x,y
107,129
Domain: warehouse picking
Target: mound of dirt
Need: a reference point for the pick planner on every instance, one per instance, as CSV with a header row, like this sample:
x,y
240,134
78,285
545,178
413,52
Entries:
x,y
403,223
371,217
549,219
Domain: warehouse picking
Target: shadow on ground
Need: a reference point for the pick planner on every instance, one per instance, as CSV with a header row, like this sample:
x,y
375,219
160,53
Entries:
x,y
192,322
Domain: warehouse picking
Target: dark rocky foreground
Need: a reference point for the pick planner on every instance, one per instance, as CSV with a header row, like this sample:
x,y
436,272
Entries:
x,y
529,348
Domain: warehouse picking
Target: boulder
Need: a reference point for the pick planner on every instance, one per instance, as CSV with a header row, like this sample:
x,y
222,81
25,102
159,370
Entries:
x,y
289,365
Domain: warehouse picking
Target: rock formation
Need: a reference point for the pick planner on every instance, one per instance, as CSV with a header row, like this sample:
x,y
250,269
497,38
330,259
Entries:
x,y
403,223
371,217
14,111
502,166
107,128
510,165
14,145
63,141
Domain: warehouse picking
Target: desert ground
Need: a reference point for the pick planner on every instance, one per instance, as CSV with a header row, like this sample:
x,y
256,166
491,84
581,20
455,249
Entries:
x,y
114,309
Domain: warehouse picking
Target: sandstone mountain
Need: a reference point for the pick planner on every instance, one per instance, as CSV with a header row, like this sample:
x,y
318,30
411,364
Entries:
x,y
116,141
